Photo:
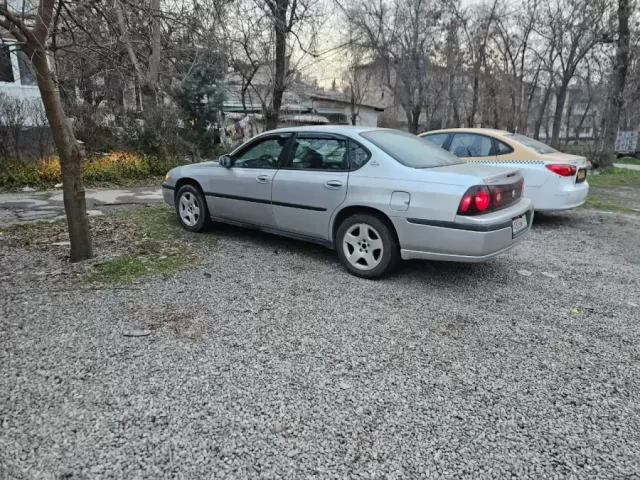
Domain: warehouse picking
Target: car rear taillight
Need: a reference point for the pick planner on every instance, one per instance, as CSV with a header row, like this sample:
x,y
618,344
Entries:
x,y
562,169
484,199
476,200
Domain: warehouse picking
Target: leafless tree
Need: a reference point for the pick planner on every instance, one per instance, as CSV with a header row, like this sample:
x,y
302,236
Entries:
x,y
401,35
357,80
453,59
476,24
571,30
35,36
617,81
267,42
512,41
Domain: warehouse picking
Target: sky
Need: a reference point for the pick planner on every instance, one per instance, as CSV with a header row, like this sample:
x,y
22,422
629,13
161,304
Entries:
x,y
330,64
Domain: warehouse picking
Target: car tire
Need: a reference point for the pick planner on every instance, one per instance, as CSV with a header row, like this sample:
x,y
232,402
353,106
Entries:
x,y
191,208
367,246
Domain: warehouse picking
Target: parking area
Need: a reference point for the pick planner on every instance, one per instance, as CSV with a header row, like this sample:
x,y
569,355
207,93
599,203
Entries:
x,y
268,360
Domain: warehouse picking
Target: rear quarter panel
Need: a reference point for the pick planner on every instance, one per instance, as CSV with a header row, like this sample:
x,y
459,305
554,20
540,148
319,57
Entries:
x,y
373,188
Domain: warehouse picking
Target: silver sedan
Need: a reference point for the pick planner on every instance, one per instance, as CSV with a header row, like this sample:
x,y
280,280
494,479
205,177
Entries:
x,y
375,195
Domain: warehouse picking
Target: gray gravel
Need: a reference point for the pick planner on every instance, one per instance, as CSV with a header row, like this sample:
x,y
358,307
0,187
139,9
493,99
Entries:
x,y
269,361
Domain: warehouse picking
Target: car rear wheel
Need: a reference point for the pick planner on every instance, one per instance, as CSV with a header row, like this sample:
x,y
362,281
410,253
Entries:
x,y
192,209
366,246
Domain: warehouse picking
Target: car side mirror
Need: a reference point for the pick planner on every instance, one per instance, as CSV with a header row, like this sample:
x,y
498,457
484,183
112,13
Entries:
x,y
225,161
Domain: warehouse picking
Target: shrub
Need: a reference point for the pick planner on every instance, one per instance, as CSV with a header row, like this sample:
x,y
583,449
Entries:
x,y
114,167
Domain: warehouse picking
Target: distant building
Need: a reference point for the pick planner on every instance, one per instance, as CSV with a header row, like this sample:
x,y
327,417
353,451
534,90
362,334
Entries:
x,y
17,77
303,104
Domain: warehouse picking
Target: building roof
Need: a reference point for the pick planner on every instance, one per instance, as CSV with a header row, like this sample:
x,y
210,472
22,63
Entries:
x,y
298,117
338,97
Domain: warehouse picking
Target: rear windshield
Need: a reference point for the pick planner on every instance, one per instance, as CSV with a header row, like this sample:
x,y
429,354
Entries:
x,y
534,145
410,150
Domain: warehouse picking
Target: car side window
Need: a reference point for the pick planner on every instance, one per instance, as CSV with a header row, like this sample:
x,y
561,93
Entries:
x,y
263,154
502,148
470,145
437,139
358,156
318,154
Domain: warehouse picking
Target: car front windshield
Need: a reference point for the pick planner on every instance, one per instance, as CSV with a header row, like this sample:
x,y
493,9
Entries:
x,y
410,150
534,145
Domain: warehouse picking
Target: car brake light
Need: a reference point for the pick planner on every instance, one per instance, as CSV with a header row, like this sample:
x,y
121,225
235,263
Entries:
x,y
563,170
483,199
476,200
466,201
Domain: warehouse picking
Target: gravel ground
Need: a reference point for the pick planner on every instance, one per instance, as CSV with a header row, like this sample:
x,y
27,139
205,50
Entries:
x,y
269,361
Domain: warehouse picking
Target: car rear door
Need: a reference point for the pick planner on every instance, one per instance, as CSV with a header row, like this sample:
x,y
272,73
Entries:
x,y
311,184
243,191
438,139
473,147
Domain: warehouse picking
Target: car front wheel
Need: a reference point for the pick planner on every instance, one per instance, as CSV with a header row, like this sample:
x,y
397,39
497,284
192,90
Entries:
x,y
366,246
192,209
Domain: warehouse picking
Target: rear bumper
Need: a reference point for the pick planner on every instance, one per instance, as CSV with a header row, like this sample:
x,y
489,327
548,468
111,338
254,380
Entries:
x,y
546,200
461,242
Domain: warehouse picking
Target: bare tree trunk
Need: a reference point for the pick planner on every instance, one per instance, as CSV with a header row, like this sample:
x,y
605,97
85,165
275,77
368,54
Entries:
x,y
561,98
618,80
474,101
70,160
514,113
543,108
568,123
582,119
352,103
156,47
457,121
413,118
280,26
524,119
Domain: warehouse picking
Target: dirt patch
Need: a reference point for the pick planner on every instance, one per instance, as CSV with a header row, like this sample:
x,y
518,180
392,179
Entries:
x,y
127,245
112,237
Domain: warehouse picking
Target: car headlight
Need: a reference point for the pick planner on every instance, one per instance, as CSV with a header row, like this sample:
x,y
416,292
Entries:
x,y
166,177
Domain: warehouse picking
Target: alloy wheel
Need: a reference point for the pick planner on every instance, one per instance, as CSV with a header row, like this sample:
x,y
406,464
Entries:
x,y
363,246
189,209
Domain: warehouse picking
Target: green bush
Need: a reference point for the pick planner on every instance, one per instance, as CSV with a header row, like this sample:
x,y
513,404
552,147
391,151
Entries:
x,y
116,168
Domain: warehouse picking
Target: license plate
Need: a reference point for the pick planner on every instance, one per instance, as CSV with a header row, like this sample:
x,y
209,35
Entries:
x,y
519,224
582,174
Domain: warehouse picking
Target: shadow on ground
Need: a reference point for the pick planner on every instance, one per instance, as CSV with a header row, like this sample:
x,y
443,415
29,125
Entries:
x,y
450,273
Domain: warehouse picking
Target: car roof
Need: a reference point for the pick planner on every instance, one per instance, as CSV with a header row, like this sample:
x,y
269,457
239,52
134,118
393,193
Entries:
x,y
344,129
486,131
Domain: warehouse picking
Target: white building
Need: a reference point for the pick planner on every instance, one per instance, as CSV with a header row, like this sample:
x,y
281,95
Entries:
x,y
17,78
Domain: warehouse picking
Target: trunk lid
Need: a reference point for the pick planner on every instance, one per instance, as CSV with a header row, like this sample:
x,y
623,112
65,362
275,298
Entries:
x,y
487,174
578,161
504,185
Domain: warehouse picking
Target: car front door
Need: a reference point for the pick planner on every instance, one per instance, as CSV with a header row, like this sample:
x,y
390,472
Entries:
x,y
243,191
311,184
473,147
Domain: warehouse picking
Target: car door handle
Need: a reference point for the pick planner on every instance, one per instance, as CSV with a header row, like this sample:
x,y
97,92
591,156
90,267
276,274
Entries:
x,y
263,178
333,184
